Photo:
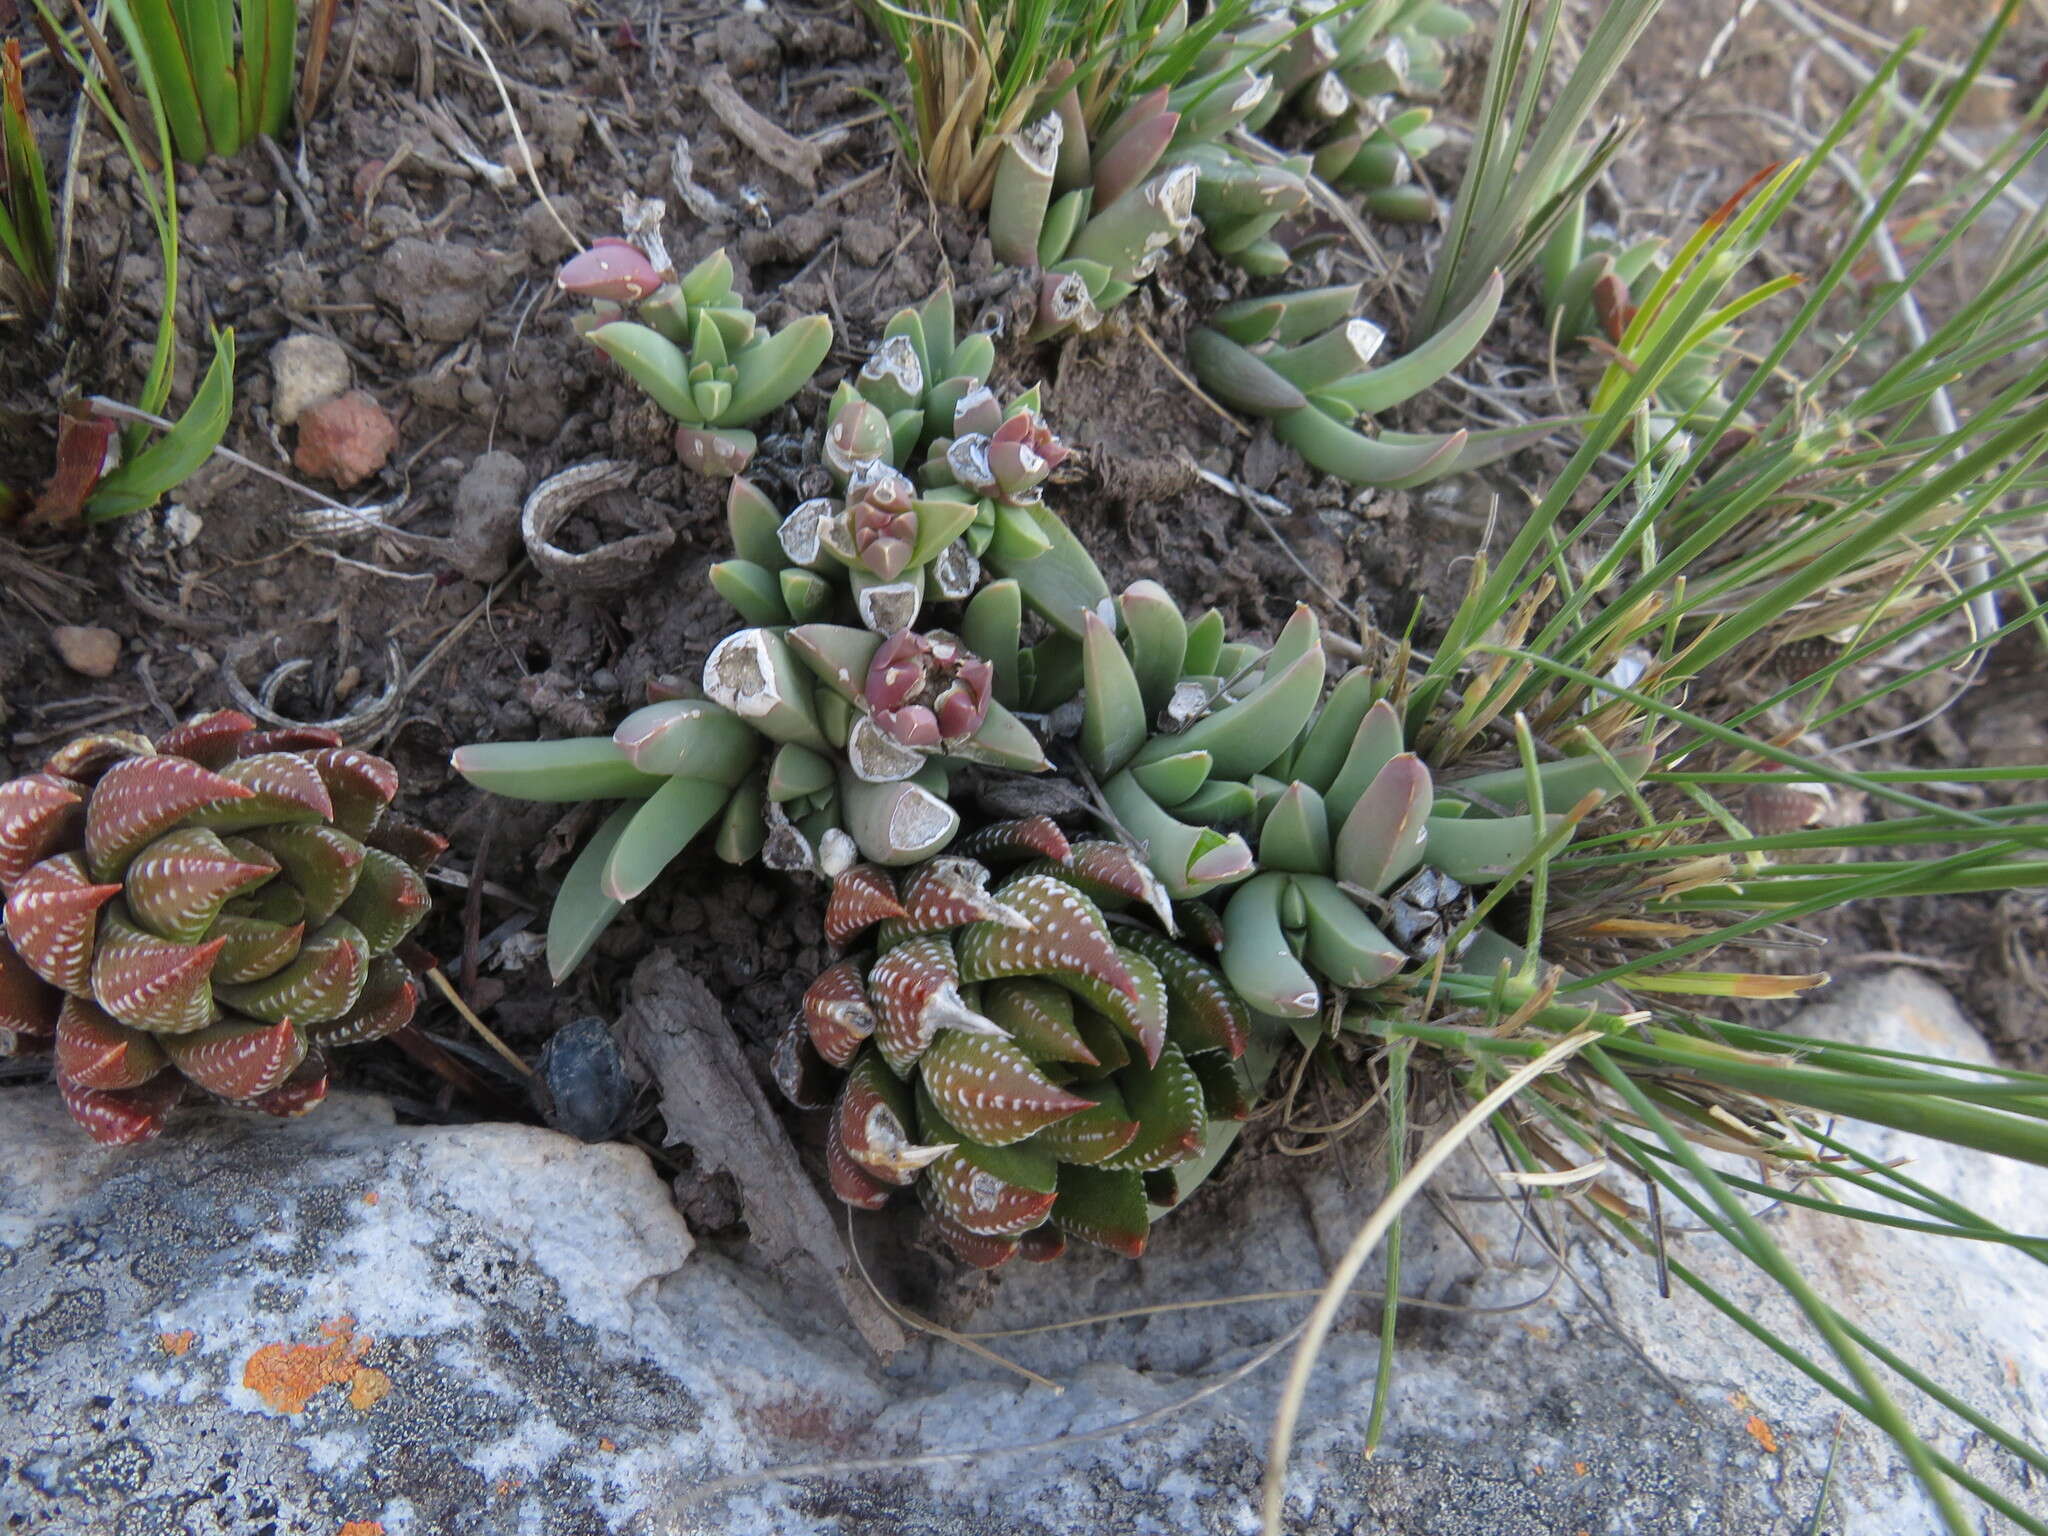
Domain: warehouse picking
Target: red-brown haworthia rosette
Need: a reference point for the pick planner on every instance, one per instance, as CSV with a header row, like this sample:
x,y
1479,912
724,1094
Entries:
x,y
212,912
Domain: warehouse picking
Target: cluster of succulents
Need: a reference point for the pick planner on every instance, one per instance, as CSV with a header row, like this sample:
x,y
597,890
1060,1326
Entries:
x,y
1095,192
1040,1026
1303,360
1351,81
694,347
217,910
1033,1070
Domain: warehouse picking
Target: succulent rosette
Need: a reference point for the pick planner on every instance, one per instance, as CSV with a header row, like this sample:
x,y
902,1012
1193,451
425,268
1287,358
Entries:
x,y
1035,1072
217,910
694,347
942,486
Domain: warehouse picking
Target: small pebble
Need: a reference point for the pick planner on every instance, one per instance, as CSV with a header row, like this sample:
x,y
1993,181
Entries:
x,y
346,440
581,1086
305,370
87,649
487,504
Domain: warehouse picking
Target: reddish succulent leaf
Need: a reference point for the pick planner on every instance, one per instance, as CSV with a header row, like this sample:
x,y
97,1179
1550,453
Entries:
x,y
40,813
323,982
416,845
982,1202
303,1090
97,1051
1039,1016
800,1072
253,947
1108,873
1041,1245
177,885
1094,1134
83,441
210,740
322,864
150,983
51,917
1033,837
1068,938
28,1004
1161,1188
873,1121
1199,924
122,1118
851,1182
990,1090
85,758
389,899
386,1005
1104,1206
1203,1012
915,992
1166,1100
139,799
943,894
862,896
836,1012
238,1061
280,788
290,738
359,784
1141,1014
971,1247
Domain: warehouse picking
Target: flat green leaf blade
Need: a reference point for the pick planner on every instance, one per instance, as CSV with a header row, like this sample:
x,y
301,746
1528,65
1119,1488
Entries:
x,y
145,479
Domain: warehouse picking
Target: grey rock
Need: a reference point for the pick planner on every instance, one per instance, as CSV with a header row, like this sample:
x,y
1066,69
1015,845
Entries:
x,y
561,1360
487,501
305,370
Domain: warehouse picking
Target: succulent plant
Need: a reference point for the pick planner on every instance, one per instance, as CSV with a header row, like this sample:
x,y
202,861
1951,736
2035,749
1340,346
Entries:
x,y
1345,83
1301,360
218,909
694,347
1035,1072
940,484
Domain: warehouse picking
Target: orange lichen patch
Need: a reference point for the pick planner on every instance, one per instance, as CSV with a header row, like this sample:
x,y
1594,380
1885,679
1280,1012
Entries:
x,y
363,1528
1760,1432
176,1343
368,1388
287,1376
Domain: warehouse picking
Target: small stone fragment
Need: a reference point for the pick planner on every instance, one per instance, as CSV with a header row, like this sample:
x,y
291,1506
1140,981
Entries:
x,y
581,1086
486,533
87,649
346,440
304,371
443,291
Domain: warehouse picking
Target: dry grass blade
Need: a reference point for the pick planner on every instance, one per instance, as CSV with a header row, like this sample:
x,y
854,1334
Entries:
x,y
1317,1326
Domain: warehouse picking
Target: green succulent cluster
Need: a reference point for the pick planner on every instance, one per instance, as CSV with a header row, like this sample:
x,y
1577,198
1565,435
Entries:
x,y
1352,83
1096,188
694,347
1269,846
1304,361
939,483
